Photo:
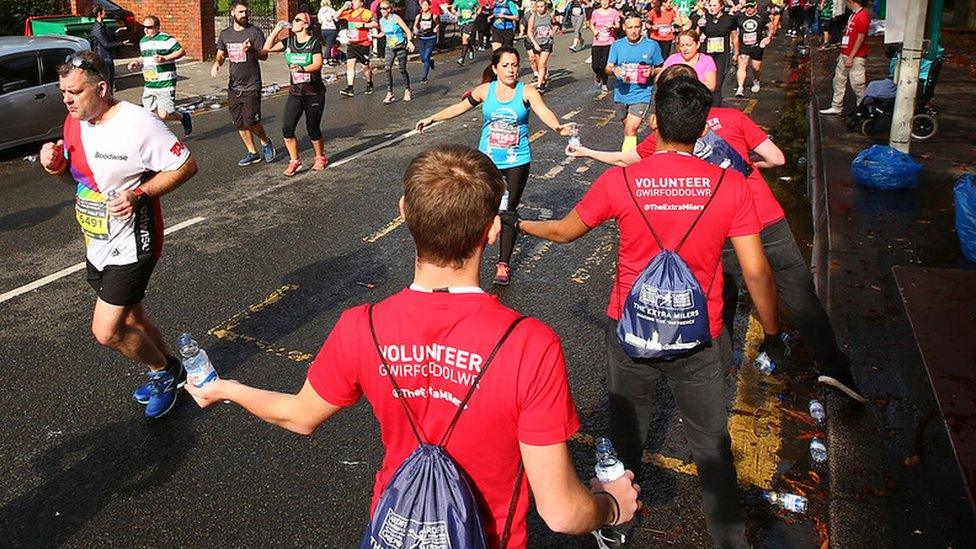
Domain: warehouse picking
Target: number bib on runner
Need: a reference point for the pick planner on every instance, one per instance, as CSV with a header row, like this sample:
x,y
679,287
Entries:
x,y
603,34
715,44
426,25
577,11
503,135
92,217
301,77
149,72
630,72
665,30
543,32
749,38
236,53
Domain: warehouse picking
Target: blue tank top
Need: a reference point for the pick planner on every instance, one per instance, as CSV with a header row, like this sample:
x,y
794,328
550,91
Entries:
x,y
393,32
505,129
503,7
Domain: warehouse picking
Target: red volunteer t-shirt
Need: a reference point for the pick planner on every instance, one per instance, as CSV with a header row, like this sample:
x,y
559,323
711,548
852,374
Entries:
x,y
436,343
739,131
859,23
671,188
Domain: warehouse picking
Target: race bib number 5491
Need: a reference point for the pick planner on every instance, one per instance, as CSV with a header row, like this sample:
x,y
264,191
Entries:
x,y
92,217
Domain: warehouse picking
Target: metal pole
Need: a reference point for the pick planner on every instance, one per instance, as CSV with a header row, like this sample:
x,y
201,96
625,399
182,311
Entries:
x,y
907,74
935,28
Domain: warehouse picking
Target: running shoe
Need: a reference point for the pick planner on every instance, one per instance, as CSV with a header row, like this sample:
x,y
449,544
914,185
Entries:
x,y
471,54
248,159
841,380
269,152
460,61
347,91
187,124
503,274
755,86
830,110
389,98
369,88
144,391
320,163
739,92
293,167
423,80
162,391
407,95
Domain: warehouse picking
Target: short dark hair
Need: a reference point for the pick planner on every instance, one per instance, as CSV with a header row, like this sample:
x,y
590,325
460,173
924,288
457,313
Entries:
x,y
87,62
97,10
235,3
681,105
155,20
451,193
681,69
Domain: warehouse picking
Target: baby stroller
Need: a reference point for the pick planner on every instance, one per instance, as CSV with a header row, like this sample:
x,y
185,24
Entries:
x,y
875,110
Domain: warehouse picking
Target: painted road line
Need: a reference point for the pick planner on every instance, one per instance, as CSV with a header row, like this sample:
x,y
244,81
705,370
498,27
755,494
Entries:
x,y
599,255
570,115
585,166
79,266
385,230
603,121
227,329
537,135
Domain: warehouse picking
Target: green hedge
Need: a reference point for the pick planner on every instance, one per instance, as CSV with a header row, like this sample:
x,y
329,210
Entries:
x,y
13,13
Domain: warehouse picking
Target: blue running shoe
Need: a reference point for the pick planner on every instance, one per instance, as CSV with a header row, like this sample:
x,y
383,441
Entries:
x,y
248,159
269,152
144,391
163,391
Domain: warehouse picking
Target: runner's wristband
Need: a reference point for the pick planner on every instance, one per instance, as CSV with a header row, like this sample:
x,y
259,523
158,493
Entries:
x,y
139,192
58,171
616,507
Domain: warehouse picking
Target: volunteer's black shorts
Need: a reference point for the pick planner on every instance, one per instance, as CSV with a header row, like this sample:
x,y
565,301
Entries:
x,y
505,37
244,107
121,285
359,53
754,52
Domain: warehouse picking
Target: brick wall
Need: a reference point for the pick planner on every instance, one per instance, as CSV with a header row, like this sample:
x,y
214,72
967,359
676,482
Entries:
x,y
190,22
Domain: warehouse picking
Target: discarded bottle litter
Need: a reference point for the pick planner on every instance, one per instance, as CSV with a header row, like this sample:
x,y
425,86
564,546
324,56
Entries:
x,y
765,364
199,369
817,412
787,501
818,451
608,466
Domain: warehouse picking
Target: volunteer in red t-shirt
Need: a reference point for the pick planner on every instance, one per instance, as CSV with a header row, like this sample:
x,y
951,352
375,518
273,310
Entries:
x,y
671,187
435,337
359,22
853,58
793,278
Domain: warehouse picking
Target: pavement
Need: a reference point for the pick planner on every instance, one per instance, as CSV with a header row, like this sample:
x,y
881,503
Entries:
x,y
259,267
905,482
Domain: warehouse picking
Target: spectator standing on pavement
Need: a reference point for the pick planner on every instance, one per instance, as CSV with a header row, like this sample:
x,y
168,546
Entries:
x,y
121,160
852,61
103,44
634,61
241,44
689,54
359,22
328,17
399,41
159,52
450,204
753,28
718,34
306,91
681,199
425,27
604,22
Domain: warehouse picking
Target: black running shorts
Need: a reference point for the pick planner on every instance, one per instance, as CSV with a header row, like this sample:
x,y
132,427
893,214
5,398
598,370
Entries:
x,y
244,107
121,285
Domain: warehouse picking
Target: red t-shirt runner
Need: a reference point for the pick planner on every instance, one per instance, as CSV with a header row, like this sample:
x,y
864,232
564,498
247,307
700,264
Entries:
x,y
739,131
859,23
671,188
435,344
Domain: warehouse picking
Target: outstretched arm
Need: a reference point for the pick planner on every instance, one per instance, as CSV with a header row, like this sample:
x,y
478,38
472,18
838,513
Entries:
x,y
562,230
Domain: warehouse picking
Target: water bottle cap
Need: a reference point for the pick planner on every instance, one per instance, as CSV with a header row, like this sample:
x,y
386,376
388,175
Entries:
x,y
187,346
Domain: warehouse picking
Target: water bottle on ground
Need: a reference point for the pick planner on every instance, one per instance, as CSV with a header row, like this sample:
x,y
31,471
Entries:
x,y
608,467
199,369
818,451
817,412
765,364
788,501
574,140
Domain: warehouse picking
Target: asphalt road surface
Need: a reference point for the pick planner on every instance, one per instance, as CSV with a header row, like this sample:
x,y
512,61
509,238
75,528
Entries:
x,y
259,267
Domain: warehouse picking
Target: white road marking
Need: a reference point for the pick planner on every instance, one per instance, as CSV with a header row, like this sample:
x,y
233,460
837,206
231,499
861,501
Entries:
x,y
79,266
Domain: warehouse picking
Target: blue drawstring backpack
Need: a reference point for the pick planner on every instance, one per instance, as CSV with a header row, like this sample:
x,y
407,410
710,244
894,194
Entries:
x,y
665,314
428,502
713,149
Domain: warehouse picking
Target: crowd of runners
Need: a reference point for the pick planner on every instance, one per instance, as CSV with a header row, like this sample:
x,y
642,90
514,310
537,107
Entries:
x,y
693,186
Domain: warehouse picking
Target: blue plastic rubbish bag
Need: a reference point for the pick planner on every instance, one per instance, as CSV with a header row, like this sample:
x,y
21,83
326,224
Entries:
x,y
884,168
965,192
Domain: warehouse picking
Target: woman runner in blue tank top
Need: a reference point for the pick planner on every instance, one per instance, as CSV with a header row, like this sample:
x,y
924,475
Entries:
x,y
504,134
399,41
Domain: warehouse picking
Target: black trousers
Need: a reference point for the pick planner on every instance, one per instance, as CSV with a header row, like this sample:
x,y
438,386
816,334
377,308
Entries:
x,y
795,286
515,179
697,382
722,70
598,61
312,106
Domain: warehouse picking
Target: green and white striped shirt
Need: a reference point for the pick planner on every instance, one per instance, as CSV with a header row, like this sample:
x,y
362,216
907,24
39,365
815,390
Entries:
x,y
158,76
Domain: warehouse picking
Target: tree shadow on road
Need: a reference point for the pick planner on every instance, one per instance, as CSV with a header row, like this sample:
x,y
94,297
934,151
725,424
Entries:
x,y
31,216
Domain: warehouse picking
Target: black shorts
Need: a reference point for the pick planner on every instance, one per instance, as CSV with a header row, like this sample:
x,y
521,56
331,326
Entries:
x,y
505,37
542,47
754,52
244,107
467,28
121,285
359,53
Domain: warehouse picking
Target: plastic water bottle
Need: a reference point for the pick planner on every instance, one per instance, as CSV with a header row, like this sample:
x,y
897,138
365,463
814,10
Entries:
x,y
199,369
608,467
765,364
817,412
818,451
574,140
788,501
